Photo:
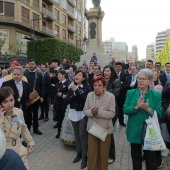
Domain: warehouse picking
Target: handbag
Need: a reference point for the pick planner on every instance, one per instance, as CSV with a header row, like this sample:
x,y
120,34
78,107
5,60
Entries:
x,y
33,96
153,140
98,131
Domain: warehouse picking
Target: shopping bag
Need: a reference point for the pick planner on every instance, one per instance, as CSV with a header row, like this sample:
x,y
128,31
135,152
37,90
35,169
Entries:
x,y
153,140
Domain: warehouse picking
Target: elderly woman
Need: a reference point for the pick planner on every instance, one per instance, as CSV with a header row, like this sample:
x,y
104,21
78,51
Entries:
x,y
12,124
99,107
139,105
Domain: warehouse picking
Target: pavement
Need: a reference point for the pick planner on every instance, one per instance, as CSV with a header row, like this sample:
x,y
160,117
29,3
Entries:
x,y
51,154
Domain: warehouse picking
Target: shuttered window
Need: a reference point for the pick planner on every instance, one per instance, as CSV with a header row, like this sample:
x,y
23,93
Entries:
x,y
25,14
36,17
7,8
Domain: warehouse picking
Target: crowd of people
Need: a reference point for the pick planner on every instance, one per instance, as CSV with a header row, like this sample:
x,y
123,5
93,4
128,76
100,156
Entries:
x,y
92,99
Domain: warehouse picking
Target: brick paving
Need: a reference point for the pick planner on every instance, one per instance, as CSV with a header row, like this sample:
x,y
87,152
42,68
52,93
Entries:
x,y
51,154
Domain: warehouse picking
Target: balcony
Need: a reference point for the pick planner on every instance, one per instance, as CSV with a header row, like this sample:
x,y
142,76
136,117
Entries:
x,y
49,2
26,2
48,31
6,18
70,14
72,41
48,13
71,28
71,2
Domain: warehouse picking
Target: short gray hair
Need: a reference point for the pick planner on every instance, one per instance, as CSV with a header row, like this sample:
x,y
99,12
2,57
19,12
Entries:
x,y
18,68
147,72
4,71
2,144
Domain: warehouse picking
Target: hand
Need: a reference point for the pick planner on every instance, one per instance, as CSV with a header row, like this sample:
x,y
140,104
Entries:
x,y
94,111
64,96
2,113
146,107
140,101
74,88
30,149
41,100
59,94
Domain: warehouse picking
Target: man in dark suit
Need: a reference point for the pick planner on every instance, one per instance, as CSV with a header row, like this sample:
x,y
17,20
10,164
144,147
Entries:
x,y
121,75
45,104
36,82
158,67
20,88
165,76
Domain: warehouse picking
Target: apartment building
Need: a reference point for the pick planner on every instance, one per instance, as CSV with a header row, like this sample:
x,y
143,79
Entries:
x,y
150,52
61,19
108,46
160,40
133,55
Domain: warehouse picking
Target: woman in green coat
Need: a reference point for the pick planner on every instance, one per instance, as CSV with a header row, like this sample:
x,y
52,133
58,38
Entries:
x,y
139,105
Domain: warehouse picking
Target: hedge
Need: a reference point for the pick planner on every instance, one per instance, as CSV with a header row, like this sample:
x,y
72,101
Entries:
x,y
48,48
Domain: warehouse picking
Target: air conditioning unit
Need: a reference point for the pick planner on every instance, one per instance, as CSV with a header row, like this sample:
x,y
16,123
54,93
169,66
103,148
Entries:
x,y
1,13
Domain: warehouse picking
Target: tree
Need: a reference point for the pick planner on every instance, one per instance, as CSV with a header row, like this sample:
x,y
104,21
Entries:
x,y
16,47
2,42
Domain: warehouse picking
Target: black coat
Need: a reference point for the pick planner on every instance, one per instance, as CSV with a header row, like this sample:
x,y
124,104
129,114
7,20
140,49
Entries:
x,y
39,87
163,79
77,102
127,82
59,101
11,161
25,94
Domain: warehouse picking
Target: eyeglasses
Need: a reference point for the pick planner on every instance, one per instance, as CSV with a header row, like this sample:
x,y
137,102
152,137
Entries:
x,y
141,79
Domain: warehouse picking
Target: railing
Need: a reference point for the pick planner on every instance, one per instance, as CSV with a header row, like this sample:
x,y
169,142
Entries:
x,y
71,41
26,2
47,30
6,18
47,12
70,13
71,28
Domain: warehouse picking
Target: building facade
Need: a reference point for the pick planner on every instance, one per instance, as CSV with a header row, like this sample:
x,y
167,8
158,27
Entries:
x,y
160,40
134,54
120,51
61,19
150,52
108,46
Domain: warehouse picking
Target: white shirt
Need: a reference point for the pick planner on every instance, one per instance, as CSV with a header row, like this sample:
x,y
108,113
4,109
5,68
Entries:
x,y
1,81
19,87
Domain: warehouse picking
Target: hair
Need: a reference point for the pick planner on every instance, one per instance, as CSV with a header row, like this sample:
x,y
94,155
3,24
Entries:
x,y
99,78
17,68
150,61
98,66
118,63
92,61
113,75
5,92
147,72
84,82
2,144
158,80
56,60
63,72
167,63
157,63
32,60
44,65
4,71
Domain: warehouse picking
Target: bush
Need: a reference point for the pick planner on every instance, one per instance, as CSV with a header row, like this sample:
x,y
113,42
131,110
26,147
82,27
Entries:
x,y
48,48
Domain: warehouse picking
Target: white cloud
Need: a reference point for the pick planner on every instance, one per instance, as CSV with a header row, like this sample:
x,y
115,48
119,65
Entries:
x,y
135,22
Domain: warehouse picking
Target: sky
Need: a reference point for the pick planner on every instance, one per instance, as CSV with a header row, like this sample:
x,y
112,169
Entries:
x,y
135,22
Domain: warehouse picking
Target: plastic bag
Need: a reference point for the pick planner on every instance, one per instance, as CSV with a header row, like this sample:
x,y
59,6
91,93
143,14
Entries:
x,y
153,140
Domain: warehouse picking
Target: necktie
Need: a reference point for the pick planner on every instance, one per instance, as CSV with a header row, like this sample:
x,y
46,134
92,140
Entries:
x,y
19,86
133,78
168,77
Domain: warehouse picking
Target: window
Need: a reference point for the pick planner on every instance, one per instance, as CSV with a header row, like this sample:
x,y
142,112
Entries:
x,y
36,3
63,19
58,1
79,30
75,14
36,22
64,4
79,17
25,14
79,5
4,34
56,14
7,9
56,29
76,27
75,2
64,34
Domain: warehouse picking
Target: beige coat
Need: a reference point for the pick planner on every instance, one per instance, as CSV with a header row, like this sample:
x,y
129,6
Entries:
x,y
106,105
13,132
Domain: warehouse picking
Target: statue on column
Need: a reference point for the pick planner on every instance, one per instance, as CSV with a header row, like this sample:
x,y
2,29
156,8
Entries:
x,y
96,3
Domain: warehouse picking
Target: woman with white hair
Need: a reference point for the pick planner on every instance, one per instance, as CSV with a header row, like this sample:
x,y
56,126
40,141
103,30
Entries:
x,y
8,158
13,125
139,105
